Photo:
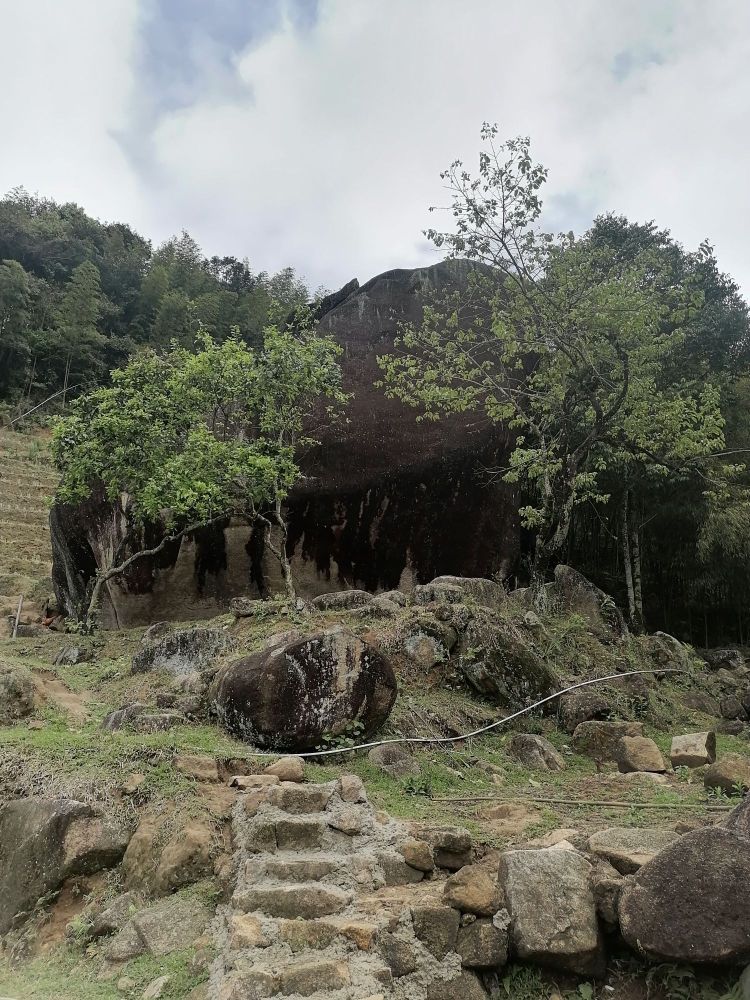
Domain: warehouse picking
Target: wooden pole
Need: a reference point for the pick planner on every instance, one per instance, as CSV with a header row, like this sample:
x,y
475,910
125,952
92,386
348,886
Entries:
x,y
18,616
587,802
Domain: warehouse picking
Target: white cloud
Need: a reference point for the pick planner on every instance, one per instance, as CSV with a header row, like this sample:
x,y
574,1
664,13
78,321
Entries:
x,y
65,88
328,157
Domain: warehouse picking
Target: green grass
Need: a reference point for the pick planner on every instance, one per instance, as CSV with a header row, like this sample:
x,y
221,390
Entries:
x,y
64,973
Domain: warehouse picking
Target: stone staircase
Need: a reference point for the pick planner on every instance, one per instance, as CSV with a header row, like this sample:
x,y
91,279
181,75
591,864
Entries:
x,y
325,904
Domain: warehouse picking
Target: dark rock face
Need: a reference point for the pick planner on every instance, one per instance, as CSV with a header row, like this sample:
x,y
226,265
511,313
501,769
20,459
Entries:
x,y
387,502
184,654
687,904
289,696
45,841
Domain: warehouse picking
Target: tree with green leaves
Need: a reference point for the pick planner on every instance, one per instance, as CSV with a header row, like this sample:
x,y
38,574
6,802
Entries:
x,y
550,338
78,318
15,299
195,437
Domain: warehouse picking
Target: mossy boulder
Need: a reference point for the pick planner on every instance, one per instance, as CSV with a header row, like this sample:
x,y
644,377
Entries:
x,y
502,663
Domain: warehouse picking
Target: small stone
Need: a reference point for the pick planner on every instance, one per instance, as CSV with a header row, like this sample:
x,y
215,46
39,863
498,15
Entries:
x,y
186,857
400,955
302,935
638,753
535,752
349,820
600,740
436,927
245,782
132,783
156,988
261,838
465,986
451,846
114,916
472,890
362,933
125,984
396,871
197,766
393,760
418,854
288,769
693,750
731,774
246,931
351,788
482,945
308,869
126,944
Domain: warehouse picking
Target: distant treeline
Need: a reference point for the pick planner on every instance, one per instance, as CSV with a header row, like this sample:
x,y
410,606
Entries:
x,y
78,296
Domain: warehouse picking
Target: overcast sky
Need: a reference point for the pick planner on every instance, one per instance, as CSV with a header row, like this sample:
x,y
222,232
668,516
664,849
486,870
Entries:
x,y
312,132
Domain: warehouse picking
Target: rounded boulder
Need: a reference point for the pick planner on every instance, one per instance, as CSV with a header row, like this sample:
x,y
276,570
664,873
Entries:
x,y
298,694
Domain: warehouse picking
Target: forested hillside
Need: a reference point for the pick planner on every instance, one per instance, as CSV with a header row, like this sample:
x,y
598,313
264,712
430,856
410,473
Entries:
x,y
77,296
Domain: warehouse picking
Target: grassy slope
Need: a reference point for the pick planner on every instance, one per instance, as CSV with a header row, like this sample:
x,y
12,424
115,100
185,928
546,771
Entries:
x,y
63,755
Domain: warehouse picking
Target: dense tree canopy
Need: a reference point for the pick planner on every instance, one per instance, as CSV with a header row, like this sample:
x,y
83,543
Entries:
x,y
78,296
188,437
613,355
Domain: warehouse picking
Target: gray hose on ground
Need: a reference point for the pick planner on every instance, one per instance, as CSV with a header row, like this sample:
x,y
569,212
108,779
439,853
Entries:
x,y
477,732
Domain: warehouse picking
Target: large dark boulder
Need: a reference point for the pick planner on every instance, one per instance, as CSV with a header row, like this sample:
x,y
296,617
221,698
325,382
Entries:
x,y
385,501
45,841
292,695
689,903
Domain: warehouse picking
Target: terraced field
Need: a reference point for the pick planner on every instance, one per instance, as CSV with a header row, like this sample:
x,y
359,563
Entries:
x,y
27,483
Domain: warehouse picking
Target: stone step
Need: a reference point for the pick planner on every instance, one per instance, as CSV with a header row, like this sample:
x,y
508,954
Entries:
x,y
303,899
310,974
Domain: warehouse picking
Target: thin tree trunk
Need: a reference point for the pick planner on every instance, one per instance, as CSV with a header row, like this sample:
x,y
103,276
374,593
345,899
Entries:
x,y
113,571
65,381
626,557
635,549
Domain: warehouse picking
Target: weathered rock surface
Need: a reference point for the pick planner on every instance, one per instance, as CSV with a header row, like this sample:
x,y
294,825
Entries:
x,y
629,848
71,655
731,773
601,740
343,600
456,590
473,890
730,659
693,750
686,905
16,693
184,654
535,752
394,760
552,909
291,695
639,753
574,593
502,663
580,706
45,841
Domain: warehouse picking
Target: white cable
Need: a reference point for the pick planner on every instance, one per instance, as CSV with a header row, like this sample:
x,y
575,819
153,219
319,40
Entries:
x,y
476,732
